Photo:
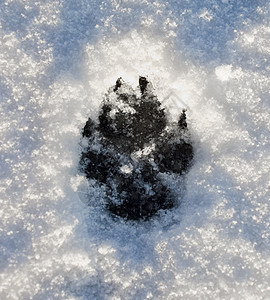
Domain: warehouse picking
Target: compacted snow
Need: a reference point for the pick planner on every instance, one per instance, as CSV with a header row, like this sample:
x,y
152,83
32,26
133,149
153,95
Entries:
x,y
57,59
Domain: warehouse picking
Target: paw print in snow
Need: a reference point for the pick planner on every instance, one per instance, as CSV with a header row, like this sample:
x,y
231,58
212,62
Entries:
x,y
131,146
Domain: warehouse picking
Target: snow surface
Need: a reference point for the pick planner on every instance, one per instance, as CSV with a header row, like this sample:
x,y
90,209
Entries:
x,y
57,59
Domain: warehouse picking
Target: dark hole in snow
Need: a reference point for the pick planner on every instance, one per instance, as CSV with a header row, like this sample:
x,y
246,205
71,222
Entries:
x,y
131,146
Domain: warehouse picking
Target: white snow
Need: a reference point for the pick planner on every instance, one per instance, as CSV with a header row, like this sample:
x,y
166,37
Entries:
x,y
57,60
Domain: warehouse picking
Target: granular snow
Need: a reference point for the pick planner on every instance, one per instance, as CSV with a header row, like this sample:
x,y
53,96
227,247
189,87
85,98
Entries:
x,y
57,59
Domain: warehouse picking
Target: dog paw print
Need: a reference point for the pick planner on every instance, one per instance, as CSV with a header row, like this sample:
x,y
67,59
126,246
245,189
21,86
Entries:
x,y
130,146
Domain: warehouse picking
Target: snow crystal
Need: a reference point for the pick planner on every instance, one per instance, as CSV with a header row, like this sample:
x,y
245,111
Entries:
x,y
224,73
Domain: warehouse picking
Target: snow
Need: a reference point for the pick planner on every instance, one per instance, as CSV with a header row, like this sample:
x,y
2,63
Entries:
x,y
57,59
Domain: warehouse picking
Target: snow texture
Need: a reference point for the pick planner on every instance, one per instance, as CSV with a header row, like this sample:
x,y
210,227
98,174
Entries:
x,y
57,59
